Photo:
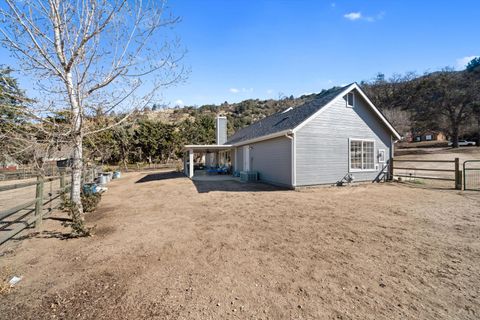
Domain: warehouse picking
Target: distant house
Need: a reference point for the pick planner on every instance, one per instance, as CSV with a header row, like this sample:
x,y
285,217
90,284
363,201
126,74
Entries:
x,y
339,132
429,136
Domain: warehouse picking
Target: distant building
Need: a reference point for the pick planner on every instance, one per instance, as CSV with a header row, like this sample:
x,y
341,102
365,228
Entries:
x,y
429,136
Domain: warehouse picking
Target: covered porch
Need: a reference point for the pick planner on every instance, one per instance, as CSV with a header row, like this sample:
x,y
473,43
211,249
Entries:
x,y
207,161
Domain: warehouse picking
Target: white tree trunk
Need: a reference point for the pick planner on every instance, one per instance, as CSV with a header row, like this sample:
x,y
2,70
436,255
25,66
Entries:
x,y
77,137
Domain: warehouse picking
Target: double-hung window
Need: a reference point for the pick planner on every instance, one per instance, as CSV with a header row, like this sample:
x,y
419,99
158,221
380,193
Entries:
x,y
362,155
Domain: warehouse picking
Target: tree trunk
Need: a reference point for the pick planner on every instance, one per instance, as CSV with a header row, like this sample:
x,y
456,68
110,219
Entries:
x,y
76,209
454,135
77,167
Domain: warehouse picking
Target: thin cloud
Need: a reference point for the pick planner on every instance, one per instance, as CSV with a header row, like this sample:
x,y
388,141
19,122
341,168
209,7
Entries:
x,y
353,16
242,90
462,62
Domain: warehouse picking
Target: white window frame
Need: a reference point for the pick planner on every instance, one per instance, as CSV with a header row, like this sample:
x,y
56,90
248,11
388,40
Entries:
x,y
380,153
353,99
350,169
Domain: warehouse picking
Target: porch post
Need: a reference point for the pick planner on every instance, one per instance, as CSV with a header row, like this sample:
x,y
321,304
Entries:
x,y
190,171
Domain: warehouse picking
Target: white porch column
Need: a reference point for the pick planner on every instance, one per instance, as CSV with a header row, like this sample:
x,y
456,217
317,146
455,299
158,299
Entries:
x,y
190,157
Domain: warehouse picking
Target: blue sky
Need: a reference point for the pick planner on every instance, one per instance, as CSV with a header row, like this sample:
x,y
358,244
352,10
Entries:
x,y
261,49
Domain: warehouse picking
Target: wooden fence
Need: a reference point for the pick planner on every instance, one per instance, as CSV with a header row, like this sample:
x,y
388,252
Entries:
x,y
29,172
450,172
27,214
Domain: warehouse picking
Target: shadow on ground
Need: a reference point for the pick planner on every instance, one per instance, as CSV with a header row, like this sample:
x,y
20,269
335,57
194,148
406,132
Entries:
x,y
161,176
210,186
233,186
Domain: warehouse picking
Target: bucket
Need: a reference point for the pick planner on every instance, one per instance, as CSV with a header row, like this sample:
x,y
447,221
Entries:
x,y
89,188
103,179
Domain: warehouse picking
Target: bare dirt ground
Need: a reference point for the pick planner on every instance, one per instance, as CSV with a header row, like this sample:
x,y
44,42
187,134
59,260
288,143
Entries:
x,y
168,248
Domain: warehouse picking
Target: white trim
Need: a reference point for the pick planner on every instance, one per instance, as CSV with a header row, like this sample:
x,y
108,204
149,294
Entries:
x,y
380,115
293,159
207,146
262,138
353,95
342,94
190,164
350,157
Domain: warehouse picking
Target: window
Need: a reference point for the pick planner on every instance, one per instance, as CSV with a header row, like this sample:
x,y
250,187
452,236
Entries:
x,y
381,155
350,99
428,137
362,155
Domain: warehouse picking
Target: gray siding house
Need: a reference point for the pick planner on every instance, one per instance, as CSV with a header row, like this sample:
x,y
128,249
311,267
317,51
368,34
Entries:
x,y
340,132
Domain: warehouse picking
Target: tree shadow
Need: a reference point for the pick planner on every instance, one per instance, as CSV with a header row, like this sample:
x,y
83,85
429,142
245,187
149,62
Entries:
x,y
47,235
234,186
161,176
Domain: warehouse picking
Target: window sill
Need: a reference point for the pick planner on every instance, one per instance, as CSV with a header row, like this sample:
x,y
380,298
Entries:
x,y
363,170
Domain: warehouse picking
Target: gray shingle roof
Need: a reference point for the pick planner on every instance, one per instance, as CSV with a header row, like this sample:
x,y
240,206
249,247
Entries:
x,y
288,120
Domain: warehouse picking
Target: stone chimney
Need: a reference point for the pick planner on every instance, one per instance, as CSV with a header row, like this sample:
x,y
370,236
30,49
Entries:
x,y
221,129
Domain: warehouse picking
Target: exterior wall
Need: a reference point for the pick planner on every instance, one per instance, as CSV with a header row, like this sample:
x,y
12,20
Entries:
x,y
272,160
322,145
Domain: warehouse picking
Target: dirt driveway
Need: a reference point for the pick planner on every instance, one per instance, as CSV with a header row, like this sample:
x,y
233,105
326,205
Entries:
x,y
166,248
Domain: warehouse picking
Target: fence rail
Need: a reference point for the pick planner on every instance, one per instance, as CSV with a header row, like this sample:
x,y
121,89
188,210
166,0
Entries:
x,y
411,172
30,213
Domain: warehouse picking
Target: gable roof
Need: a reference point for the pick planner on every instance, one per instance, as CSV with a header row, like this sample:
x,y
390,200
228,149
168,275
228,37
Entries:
x,y
292,118
285,120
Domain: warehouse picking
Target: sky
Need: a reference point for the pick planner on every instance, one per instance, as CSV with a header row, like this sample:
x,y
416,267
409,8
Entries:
x,y
266,49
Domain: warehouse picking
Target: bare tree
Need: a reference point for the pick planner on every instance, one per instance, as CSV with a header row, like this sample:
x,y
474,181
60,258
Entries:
x,y
400,119
87,54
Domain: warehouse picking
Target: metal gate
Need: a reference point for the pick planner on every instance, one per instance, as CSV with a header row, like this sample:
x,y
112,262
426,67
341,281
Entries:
x,y
471,175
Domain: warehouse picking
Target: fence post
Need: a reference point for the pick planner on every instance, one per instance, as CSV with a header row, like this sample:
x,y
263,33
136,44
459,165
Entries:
x,y
62,184
458,175
39,203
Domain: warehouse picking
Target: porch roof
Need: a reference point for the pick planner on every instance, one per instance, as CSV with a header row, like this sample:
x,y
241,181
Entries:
x,y
207,147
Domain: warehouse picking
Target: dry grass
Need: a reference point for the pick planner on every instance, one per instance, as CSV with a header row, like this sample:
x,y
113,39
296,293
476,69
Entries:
x,y
166,248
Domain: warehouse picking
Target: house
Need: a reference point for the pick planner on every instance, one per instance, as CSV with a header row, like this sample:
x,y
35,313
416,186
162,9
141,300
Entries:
x,y
428,136
339,132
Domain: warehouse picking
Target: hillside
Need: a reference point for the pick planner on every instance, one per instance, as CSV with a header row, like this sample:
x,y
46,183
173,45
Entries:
x,y
239,114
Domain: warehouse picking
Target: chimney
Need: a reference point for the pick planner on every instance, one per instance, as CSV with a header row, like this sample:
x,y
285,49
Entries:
x,y
221,129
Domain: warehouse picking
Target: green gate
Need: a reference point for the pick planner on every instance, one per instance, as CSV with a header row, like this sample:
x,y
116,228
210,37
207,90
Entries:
x,y
471,175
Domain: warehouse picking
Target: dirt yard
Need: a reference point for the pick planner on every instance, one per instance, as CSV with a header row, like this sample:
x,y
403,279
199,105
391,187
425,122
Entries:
x,y
166,248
